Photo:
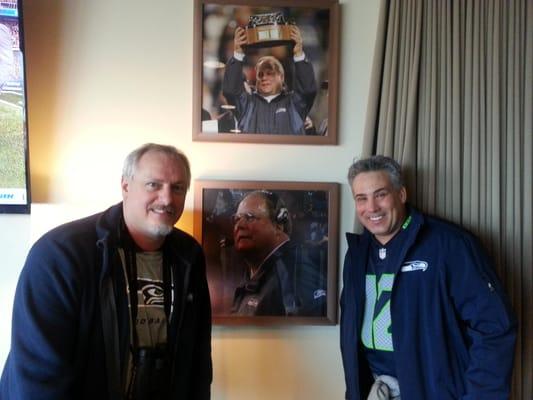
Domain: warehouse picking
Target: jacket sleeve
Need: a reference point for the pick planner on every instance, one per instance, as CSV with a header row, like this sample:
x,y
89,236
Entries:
x,y
233,84
357,375
202,369
490,325
305,86
41,362
348,359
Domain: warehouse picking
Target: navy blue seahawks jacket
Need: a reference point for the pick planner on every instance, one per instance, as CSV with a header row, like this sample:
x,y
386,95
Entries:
x,y
70,334
453,330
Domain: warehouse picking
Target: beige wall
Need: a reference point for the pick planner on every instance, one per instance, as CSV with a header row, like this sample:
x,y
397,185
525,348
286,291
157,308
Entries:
x,y
105,76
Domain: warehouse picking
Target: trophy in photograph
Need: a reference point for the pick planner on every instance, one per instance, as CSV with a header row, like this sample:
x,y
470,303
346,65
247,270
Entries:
x,y
267,30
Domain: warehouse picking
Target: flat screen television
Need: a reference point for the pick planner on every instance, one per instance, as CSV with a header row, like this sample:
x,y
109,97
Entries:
x,y
14,173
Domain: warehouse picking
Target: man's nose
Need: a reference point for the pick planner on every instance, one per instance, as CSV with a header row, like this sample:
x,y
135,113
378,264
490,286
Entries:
x,y
165,195
372,204
238,224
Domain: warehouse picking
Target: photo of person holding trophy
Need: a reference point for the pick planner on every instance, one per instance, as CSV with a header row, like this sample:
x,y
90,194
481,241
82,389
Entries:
x,y
270,106
263,69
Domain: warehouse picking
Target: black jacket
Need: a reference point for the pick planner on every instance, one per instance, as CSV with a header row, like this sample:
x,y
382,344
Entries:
x,y
284,115
271,290
70,332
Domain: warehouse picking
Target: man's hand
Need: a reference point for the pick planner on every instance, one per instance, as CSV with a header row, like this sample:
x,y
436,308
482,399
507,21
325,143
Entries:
x,y
308,123
297,37
239,40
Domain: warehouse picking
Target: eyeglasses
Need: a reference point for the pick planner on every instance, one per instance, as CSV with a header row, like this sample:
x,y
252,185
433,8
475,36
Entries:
x,y
246,217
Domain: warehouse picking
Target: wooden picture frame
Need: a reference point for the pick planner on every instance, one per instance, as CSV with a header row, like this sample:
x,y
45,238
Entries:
x,y
221,114
305,266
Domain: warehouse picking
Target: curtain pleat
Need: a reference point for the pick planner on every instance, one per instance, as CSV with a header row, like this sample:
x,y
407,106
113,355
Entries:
x,y
452,101
526,328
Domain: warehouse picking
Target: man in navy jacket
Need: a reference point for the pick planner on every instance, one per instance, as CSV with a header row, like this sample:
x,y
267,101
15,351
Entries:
x,y
116,305
261,235
423,316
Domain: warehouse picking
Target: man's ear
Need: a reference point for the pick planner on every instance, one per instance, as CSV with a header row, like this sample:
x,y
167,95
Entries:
x,y
124,184
403,194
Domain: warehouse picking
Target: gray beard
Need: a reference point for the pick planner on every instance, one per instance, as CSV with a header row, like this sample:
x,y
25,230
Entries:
x,y
160,231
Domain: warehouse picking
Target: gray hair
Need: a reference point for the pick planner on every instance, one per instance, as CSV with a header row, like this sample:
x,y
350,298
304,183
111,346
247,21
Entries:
x,y
377,163
132,160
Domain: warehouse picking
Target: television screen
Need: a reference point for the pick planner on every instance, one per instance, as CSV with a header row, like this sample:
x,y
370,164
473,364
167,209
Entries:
x,y
14,174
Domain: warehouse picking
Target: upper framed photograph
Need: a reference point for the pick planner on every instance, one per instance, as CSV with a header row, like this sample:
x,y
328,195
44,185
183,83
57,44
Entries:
x,y
266,71
271,250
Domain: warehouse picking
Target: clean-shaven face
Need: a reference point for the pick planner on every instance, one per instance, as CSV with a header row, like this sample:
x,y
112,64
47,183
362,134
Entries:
x,y
253,230
379,206
268,82
154,198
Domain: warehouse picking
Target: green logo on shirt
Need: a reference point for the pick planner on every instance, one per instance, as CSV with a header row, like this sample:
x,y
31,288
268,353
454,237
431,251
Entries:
x,y
376,333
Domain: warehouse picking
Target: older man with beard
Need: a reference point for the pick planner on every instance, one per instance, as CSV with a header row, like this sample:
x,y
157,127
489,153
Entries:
x,y
116,305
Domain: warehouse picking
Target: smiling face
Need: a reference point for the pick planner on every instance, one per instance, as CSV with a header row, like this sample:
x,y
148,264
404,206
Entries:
x,y
254,233
154,198
380,207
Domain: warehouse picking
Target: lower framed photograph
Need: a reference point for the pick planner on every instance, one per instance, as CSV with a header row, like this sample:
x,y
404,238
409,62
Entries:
x,y
271,250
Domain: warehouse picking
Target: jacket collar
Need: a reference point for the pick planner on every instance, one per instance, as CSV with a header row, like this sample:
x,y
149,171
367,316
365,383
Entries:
x,y
109,224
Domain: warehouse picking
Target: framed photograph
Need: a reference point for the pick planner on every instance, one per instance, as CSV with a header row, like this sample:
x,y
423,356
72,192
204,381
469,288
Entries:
x,y
14,173
266,71
271,250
